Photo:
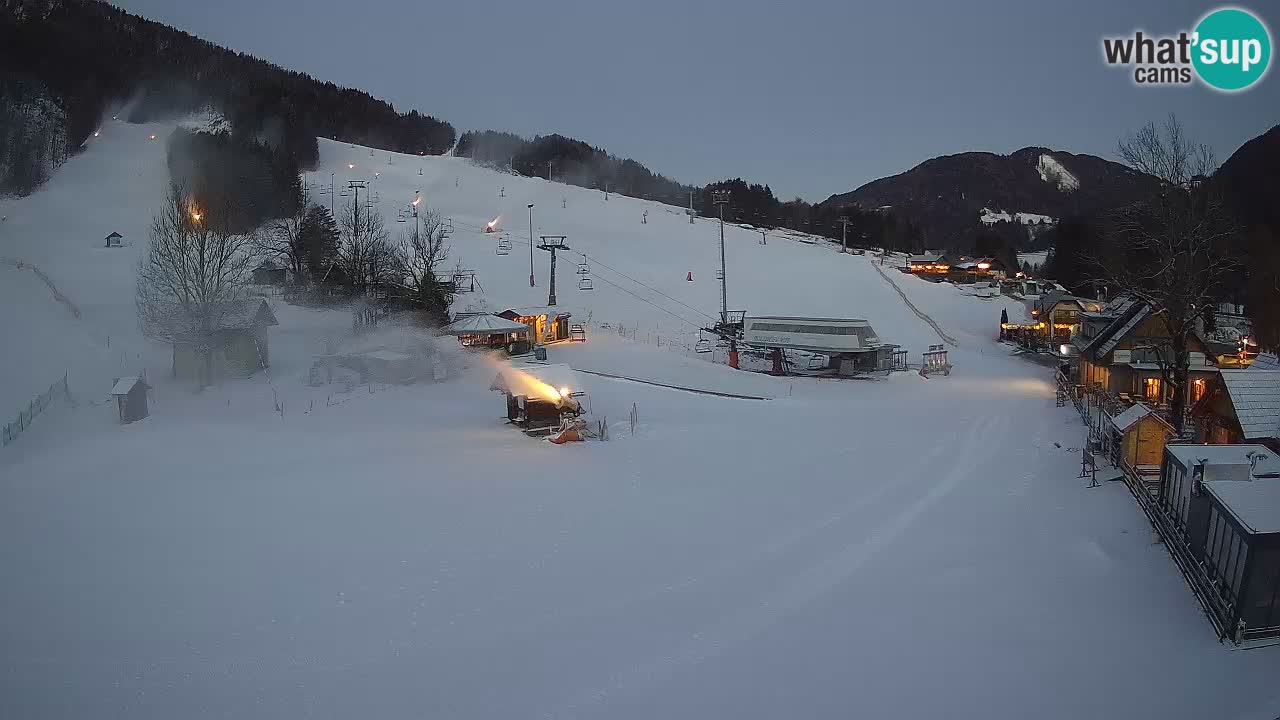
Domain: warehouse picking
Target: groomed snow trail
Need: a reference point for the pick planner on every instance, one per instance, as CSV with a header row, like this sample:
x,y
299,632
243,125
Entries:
x,y
920,314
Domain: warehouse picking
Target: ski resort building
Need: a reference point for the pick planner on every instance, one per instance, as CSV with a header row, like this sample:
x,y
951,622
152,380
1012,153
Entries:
x,y
851,346
484,331
546,324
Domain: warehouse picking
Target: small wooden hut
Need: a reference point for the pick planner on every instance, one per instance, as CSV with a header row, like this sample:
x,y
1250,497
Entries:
x,y
1138,445
131,398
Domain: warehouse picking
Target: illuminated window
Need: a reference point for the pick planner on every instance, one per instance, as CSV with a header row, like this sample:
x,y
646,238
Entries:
x,y
1197,389
1151,389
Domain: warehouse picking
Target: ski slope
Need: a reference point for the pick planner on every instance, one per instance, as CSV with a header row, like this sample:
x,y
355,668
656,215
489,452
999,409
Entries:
x,y
894,548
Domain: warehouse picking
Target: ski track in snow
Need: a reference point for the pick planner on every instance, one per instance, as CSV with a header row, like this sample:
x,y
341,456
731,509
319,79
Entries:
x,y
754,617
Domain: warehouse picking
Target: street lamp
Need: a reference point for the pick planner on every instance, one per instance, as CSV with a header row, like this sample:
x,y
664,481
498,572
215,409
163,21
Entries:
x,y
531,283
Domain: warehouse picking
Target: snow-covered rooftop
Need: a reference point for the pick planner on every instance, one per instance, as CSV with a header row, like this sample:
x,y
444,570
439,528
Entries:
x,y
1255,504
125,384
1188,455
1126,419
1255,395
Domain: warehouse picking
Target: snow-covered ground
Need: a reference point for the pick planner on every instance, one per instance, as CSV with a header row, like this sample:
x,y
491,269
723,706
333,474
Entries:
x,y
893,548
990,217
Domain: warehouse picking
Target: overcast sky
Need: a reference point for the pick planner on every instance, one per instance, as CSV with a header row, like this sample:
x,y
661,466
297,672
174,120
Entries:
x,y
813,97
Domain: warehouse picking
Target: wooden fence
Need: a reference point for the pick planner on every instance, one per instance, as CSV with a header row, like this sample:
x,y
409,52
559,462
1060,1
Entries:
x,y
34,408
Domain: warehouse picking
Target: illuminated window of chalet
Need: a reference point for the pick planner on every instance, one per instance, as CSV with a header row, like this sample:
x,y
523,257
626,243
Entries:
x,y
1197,389
1151,389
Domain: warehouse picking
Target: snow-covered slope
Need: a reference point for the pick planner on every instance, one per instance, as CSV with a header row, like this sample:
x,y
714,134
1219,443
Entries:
x,y
1052,171
901,548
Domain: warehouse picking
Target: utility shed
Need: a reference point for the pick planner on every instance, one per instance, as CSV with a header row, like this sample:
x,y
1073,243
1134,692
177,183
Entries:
x,y
1141,436
232,342
131,398
1242,555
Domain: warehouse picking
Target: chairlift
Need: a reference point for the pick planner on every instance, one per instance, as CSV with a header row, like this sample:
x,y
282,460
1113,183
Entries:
x,y
400,219
719,274
585,284
503,249
817,362
583,267
702,346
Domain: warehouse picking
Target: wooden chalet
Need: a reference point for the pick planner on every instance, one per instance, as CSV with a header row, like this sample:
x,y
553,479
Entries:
x,y
1122,351
934,265
1240,405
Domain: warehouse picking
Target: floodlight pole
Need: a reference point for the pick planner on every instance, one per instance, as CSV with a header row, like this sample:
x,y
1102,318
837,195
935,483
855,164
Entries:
x,y
721,198
531,283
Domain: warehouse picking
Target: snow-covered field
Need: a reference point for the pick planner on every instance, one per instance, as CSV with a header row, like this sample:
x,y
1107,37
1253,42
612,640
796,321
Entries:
x,y
894,548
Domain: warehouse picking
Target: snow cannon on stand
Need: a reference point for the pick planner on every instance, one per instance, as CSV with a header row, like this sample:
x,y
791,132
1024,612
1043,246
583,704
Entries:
x,y
543,399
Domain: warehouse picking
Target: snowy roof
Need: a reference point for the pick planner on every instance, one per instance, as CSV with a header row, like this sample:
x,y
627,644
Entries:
x,y
113,235
927,258
1106,341
1255,504
532,378
1265,361
1189,455
231,315
536,310
125,384
483,324
1126,419
1255,395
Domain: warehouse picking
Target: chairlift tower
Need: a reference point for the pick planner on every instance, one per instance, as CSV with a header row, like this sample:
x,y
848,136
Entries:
x,y
552,243
844,231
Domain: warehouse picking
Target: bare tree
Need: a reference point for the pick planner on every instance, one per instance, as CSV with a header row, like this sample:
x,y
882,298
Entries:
x,y
422,252
1172,250
194,268
286,238
365,253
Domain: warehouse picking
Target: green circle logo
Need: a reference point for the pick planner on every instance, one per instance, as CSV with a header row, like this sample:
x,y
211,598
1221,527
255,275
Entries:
x,y
1232,49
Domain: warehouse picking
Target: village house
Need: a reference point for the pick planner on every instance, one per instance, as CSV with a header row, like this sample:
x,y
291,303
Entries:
x,y
932,265
114,240
1124,349
971,270
1061,314
1241,405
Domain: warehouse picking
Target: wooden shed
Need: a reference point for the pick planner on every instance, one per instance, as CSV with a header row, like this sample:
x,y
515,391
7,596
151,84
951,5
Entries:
x,y
233,345
131,398
114,240
1138,447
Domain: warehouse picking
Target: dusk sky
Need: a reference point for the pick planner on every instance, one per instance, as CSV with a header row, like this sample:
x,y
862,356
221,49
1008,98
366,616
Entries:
x,y
813,98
